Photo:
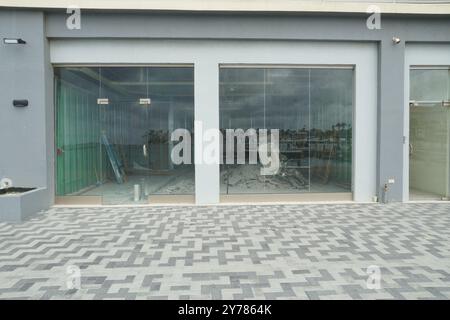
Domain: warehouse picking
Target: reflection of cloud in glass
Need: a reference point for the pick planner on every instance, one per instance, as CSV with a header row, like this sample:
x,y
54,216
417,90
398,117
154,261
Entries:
x,y
312,108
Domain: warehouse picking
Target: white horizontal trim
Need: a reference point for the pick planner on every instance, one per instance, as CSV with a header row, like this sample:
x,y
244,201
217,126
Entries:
x,y
122,65
429,67
285,66
350,6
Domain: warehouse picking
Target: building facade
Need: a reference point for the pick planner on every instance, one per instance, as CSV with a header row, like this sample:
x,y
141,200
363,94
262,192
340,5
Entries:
x,y
359,102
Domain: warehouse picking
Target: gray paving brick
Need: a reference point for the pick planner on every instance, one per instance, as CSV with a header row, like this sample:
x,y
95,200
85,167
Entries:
x,y
244,252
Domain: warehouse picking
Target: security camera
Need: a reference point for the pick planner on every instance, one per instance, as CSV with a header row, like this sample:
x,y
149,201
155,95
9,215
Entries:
x,y
396,40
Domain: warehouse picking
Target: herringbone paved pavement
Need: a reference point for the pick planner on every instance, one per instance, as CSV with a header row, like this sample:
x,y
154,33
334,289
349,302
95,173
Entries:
x,y
229,252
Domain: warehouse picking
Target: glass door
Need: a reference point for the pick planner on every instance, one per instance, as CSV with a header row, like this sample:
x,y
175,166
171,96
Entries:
x,y
311,109
114,130
429,149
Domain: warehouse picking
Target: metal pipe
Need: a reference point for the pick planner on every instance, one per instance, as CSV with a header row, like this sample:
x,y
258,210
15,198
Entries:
x,y
385,193
137,192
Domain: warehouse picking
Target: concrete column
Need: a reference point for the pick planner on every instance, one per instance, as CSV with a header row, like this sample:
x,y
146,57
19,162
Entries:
x,y
207,176
26,145
391,119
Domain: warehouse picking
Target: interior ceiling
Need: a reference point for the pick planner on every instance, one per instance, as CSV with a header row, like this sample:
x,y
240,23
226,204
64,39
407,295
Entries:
x,y
179,81
160,81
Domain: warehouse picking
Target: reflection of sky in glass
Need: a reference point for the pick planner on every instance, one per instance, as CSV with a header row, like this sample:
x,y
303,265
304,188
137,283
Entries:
x,y
430,85
124,86
283,98
312,108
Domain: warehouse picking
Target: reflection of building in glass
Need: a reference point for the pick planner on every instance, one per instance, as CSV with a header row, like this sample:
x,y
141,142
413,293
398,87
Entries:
x,y
106,149
429,140
313,110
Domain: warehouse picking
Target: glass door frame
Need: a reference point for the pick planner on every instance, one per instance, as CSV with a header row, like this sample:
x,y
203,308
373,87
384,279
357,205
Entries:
x,y
98,200
208,54
304,196
429,104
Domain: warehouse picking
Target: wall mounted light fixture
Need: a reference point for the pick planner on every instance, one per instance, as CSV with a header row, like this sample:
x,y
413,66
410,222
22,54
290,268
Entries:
x,y
102,101
13,41
20,103
145,101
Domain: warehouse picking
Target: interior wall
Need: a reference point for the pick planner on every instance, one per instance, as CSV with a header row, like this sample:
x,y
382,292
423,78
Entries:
x,y
78,153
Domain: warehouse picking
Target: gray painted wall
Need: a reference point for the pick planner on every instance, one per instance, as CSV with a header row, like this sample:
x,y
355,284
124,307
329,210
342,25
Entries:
x,y
247,26
27,134
292,27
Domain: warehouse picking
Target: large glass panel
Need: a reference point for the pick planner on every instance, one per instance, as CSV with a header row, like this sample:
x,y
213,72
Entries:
x,y
114,128
429,148
310,108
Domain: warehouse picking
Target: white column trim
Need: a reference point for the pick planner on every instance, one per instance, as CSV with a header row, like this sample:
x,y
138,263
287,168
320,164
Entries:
x,y
208,54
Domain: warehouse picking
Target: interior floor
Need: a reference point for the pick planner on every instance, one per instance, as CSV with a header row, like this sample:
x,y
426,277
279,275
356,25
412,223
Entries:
x,y
173,183
418,195
315,187
247,179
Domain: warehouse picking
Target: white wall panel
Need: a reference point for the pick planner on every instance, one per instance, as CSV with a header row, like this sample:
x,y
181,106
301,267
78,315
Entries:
x,y
208,54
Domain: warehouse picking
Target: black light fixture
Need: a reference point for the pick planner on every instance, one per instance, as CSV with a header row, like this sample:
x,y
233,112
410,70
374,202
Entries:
x,y
20,103
13,41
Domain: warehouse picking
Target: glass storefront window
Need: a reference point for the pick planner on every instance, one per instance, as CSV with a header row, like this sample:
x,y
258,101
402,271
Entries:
x,y
312,110
113,127
429,138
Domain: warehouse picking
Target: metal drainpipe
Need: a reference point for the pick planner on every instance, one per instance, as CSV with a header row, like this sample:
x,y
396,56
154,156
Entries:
x,y
385,193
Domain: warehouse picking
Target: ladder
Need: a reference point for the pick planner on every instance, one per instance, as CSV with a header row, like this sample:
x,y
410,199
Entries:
x,y
116,164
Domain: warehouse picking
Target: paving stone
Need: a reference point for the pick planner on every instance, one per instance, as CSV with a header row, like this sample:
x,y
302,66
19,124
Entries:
x,y
318,251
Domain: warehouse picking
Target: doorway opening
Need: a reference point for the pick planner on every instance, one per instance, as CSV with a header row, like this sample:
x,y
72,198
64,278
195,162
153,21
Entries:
x,y
429,147
312,109
113,133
